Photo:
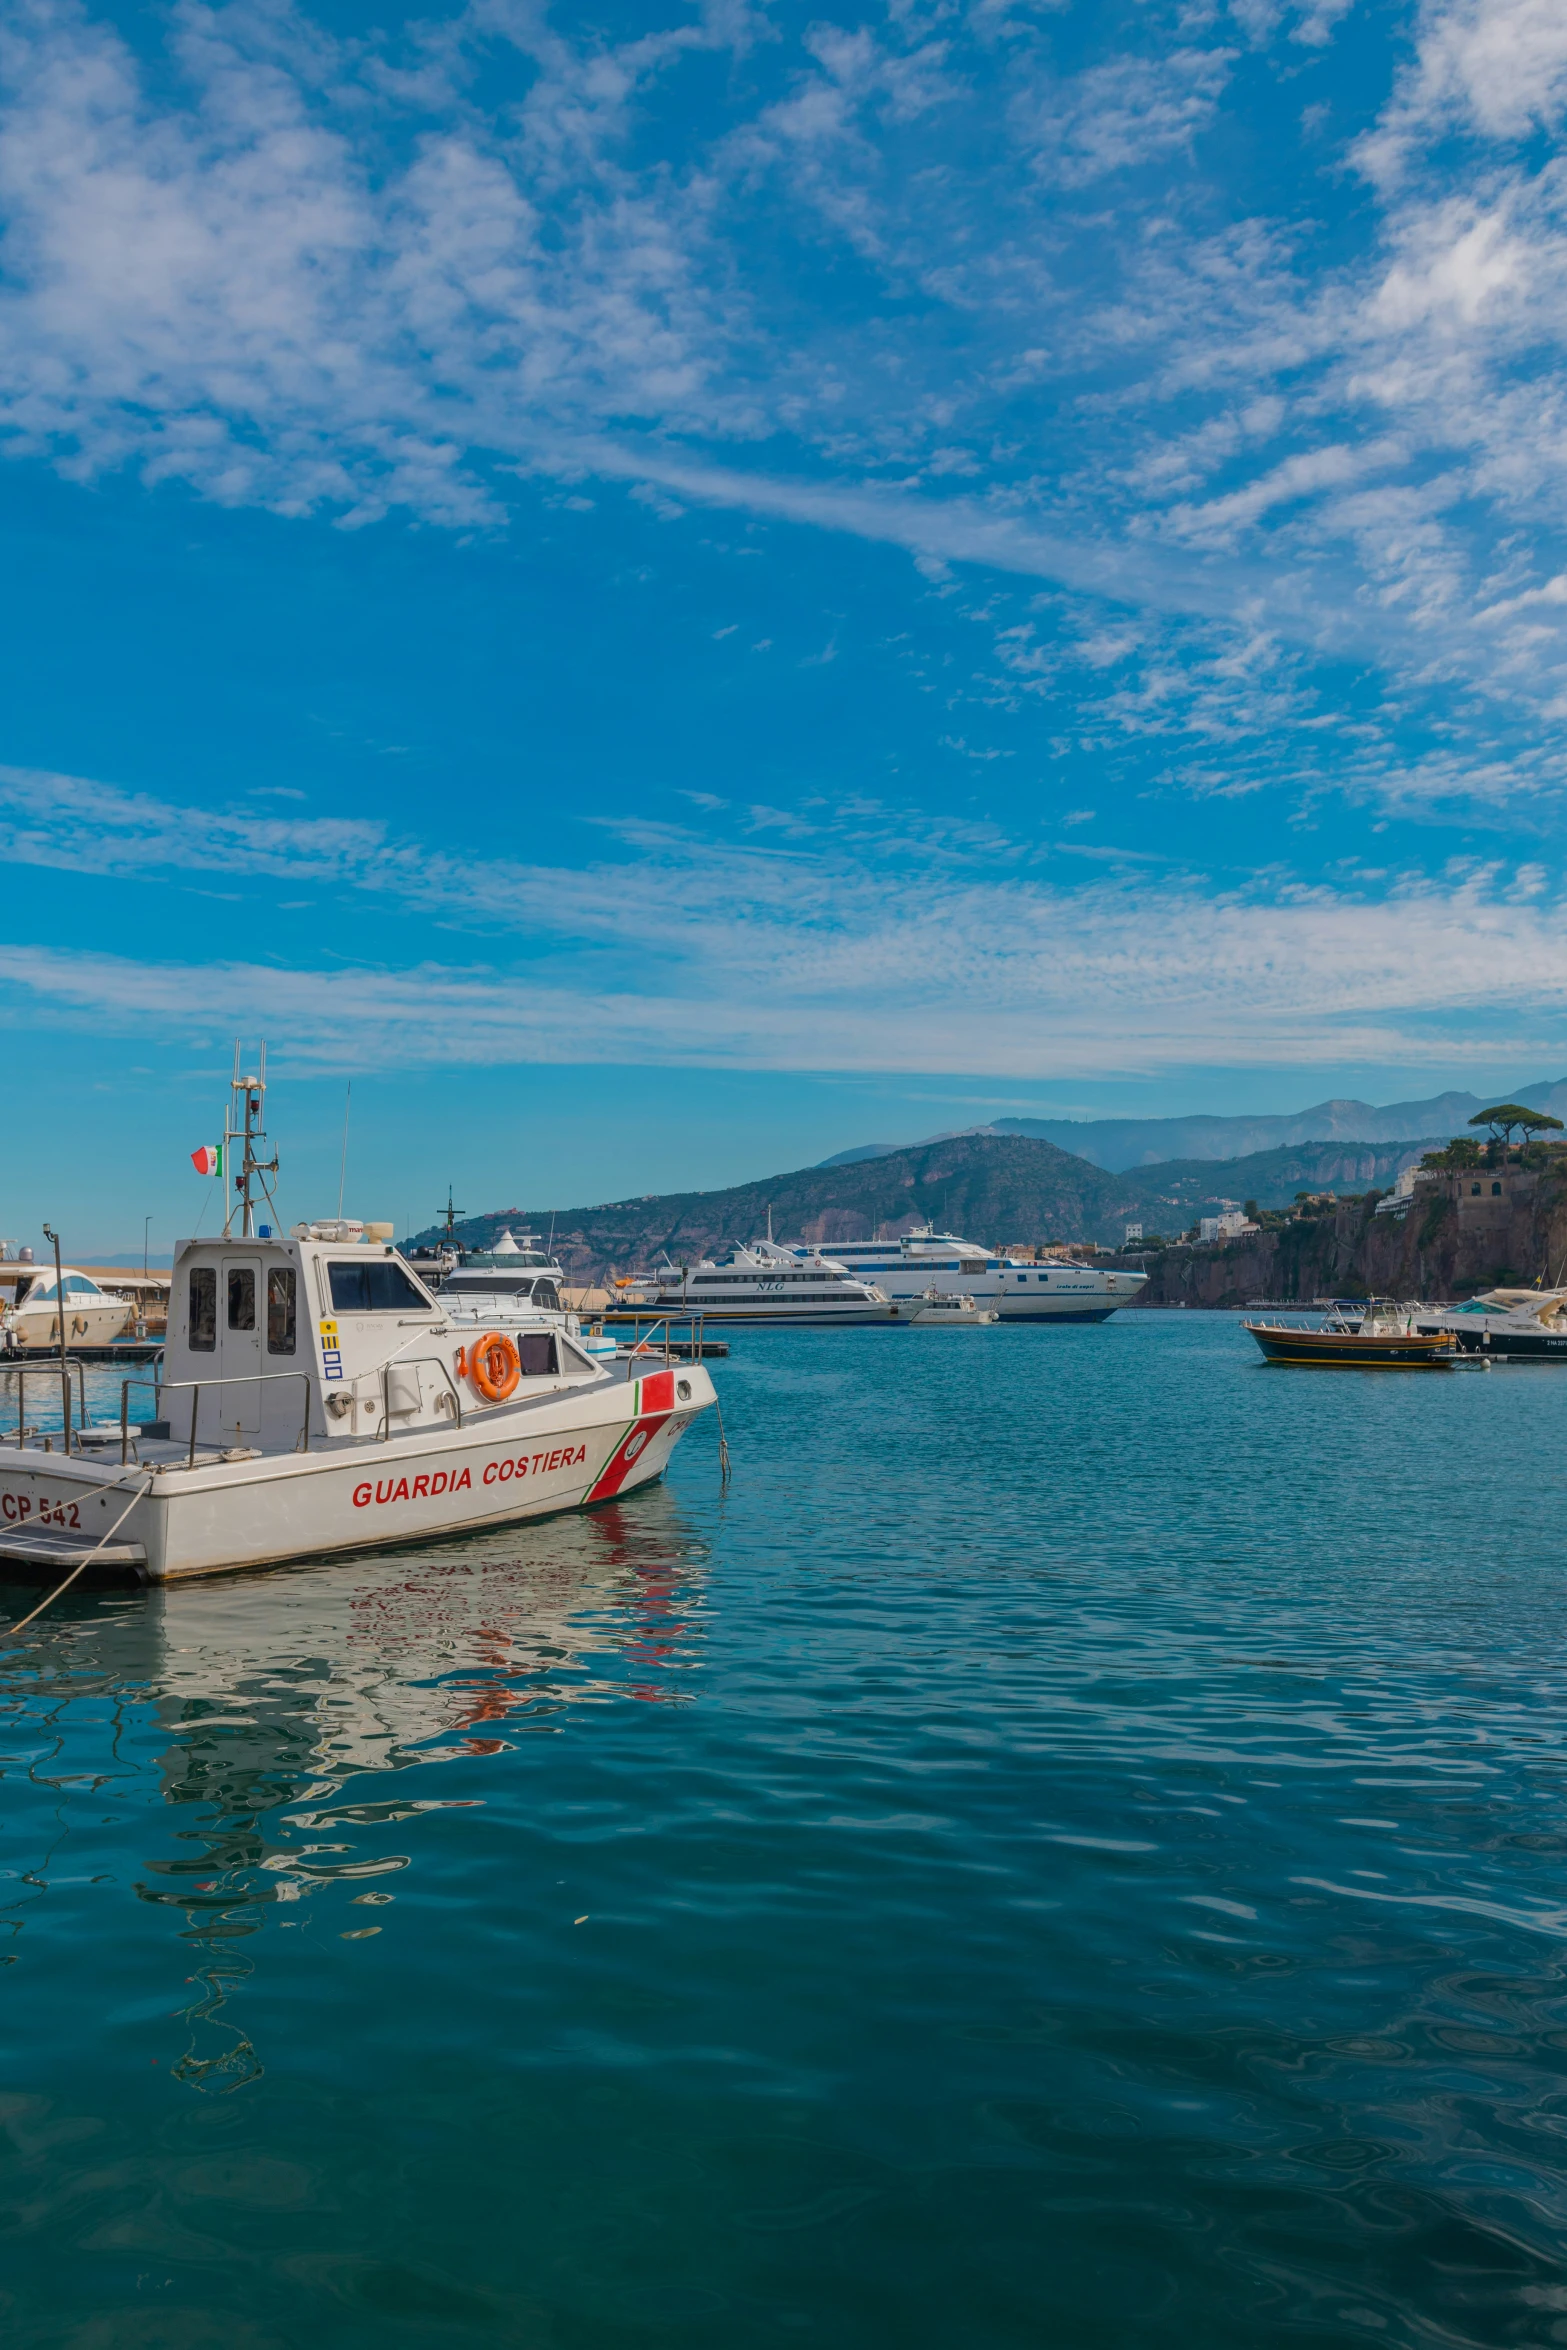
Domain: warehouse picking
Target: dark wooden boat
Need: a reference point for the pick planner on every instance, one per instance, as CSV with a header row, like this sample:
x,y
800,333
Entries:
x,y
1362,1334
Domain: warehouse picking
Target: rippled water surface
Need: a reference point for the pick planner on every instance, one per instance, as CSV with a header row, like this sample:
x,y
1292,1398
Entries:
x,y
1069,1850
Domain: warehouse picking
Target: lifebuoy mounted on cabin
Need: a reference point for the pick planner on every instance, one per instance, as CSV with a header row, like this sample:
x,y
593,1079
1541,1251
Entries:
x,y
492,1363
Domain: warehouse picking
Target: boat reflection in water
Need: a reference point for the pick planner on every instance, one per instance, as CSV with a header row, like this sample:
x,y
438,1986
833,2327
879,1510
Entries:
x,y
278,1691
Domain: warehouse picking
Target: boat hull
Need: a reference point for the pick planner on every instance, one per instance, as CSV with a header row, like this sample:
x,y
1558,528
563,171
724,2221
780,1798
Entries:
x,y
567,1454
759,1313
85,1325
1347,1350
1514,1346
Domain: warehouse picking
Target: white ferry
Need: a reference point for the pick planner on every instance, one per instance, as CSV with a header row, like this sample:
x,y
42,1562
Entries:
x,y
1056,1289
317,1397
761,1282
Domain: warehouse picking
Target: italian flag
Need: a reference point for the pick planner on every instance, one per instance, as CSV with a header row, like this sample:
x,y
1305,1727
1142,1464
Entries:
x,y
209,1159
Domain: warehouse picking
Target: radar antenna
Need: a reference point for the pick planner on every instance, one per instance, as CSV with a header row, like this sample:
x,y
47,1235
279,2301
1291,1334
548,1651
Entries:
x,y
245,1125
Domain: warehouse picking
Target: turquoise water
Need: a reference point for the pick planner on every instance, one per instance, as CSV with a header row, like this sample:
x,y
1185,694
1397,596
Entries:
x,y
1069,1850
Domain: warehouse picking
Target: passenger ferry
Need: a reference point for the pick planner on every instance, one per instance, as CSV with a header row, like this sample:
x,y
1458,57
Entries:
x,y
761,1282
1054,1290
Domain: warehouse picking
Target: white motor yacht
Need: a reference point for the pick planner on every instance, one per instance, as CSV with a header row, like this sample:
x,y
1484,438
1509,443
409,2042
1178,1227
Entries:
x,y
317,1397
761,1282
517,1286
1511,1325
1053,1289
94,1316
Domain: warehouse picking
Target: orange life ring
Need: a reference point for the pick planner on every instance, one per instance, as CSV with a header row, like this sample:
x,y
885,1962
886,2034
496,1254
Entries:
x,y
493,1364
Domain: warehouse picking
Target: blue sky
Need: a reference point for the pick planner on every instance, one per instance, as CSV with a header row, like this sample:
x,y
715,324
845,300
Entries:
x,y
668,590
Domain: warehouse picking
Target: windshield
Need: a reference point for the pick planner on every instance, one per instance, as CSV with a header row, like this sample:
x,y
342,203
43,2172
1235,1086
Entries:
x,y
76,1285
374,1285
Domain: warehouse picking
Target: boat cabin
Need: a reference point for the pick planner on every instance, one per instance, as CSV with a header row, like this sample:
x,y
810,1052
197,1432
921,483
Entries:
x,y
285,1344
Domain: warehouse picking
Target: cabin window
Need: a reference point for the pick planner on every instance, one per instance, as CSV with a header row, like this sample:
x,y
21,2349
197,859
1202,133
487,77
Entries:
x,y
280,1310
204,1310
374,1285
546,1294
537,1350
242,1297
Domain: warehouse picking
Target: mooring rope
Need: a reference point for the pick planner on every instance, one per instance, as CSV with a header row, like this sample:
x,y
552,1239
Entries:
x,y
50,1598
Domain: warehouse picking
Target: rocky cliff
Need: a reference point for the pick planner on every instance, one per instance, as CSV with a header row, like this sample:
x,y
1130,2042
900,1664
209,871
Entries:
x,y
1482,1229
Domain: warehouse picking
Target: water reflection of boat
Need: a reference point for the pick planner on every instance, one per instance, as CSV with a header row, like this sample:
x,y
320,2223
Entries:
x,y
282,1702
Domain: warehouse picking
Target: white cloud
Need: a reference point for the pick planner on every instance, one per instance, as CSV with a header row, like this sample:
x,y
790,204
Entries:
x,y
891,946
1130,114
1494,68
309,273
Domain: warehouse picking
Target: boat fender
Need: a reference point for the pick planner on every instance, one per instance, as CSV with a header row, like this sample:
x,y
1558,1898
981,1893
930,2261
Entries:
x,y
494,1366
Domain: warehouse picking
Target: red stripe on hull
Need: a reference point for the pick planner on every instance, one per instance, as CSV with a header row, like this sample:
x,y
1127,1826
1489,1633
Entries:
x,y
654,1406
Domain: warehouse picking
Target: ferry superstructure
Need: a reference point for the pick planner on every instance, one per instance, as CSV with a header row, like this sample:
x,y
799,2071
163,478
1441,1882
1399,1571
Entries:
x,y
763,1282
1056,1289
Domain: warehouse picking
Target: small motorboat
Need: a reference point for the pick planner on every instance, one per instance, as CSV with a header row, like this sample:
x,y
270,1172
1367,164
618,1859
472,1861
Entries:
x,y
942,1309
1360,1333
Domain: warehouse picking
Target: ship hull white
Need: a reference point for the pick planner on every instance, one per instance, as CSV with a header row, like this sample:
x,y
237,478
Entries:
x,y
87,1325
759,1310
221,1516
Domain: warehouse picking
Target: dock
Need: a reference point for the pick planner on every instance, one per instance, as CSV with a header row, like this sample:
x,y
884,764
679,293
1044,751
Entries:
x,y
691,1349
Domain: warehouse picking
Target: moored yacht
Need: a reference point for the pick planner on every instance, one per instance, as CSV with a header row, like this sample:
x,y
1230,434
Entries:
x,y
93,1316
1055,1289
1515,1325
761,1282
316,1396
519,1287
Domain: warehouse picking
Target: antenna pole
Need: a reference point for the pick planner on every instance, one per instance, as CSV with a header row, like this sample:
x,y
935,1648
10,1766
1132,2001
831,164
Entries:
x,y
229,1139
248,1132
65,1363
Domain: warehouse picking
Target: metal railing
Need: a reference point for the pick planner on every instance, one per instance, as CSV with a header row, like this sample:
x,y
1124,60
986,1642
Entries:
x,y
22,1372
693,1320
163,1387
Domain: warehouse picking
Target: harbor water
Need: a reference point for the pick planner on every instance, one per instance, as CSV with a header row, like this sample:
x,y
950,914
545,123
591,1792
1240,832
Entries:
x,y
1070,1848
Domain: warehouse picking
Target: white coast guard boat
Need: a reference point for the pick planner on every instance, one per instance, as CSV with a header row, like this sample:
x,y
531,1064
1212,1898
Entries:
x,y
316,1397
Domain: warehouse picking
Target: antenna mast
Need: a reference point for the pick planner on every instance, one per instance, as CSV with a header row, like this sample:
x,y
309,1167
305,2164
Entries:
x,y
245,1125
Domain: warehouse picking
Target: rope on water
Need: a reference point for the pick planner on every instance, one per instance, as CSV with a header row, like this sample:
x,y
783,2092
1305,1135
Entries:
x,y
723,1446
51,1597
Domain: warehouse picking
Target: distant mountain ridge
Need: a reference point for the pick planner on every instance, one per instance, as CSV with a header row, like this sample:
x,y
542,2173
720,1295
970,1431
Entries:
x,y
1117,1144
1001,1189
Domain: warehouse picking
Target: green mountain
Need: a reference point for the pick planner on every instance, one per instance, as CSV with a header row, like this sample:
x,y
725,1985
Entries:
x,y
1005,1190
996,1188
